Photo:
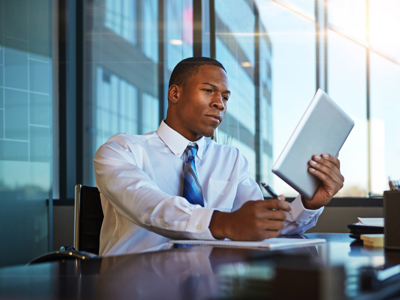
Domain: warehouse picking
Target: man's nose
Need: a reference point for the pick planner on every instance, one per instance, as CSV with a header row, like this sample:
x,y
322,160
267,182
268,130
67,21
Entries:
x,y
218,103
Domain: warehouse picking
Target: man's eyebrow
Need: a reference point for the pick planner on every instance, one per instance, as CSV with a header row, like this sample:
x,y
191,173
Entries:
x,y
214,86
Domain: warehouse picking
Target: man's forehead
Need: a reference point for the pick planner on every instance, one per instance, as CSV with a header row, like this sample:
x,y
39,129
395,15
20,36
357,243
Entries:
x,y
212,74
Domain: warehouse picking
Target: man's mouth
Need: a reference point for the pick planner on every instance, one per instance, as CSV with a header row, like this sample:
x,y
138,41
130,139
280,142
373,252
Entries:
x,y
216,118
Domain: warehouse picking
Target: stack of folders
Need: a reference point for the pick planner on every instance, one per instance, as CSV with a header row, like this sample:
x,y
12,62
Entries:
x,y
366,226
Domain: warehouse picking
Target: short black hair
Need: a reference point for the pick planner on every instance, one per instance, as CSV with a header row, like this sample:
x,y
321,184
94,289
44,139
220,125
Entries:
x,y
190,66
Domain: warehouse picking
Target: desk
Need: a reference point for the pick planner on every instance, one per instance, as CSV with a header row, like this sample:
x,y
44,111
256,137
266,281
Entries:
x,y
190,273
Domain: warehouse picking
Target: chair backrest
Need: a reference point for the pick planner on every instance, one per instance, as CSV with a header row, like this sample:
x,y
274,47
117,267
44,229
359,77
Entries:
x,y
88,219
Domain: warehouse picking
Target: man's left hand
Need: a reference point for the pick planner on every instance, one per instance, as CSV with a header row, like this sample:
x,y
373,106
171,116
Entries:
x,y
326,168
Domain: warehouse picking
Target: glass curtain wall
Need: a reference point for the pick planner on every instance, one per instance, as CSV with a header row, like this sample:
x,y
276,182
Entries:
x,y
277,53
364,76
290,28
25,129
126,73
357,61
128,64
247,58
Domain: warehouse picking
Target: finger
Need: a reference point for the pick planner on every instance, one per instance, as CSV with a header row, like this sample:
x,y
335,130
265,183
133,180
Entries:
x,y
271,234
332,159
269,214
276,204
327,167
272,224
329,180
276,215
327,159
327,170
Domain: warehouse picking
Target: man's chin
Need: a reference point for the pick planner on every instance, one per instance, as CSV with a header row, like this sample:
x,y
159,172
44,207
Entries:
x,y
208,133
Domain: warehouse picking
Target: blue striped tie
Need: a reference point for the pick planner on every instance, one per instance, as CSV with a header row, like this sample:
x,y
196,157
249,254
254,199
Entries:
x,y
191,185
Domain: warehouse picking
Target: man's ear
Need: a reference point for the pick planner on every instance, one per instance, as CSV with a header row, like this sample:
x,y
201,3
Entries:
x,y
173,93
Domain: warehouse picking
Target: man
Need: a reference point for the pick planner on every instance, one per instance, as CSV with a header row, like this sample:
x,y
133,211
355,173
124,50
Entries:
x,y
142,178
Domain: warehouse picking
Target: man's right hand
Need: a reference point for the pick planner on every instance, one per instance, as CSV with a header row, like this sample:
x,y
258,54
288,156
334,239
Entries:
x,y
254,221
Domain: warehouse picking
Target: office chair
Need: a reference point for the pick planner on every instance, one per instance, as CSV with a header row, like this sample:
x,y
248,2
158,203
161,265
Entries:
x,y
88,218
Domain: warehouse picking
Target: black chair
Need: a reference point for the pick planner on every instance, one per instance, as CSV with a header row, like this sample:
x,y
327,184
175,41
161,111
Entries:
x,y
88,219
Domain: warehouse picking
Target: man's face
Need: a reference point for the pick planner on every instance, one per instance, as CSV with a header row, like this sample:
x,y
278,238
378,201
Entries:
x,y
202,102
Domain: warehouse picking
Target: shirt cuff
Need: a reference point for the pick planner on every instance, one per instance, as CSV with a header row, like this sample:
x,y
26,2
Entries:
x,y
303,215
199,223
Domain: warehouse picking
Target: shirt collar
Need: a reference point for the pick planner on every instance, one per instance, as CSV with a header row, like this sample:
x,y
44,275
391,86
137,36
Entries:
x,y
176,142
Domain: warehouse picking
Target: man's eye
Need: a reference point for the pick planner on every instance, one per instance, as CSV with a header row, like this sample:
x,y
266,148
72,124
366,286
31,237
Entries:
x,y
207,90
225,98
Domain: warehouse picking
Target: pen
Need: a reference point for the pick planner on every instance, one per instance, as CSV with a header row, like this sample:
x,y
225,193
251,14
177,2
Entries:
x,y
270,190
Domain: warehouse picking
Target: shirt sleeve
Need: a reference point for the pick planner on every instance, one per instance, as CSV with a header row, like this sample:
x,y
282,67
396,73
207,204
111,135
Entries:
x,y
300,219
297,222
135,196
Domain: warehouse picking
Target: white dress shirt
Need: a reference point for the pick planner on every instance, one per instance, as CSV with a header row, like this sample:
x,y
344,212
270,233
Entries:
x,y
140,179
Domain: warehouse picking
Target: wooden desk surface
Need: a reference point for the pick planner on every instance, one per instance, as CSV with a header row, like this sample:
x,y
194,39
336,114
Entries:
x,y
190,273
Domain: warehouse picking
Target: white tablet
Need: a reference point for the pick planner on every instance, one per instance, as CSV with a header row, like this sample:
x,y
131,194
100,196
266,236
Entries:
x,y
323,128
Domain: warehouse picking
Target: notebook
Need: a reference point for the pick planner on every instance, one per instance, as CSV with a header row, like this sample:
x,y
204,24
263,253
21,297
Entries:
x,y
270,244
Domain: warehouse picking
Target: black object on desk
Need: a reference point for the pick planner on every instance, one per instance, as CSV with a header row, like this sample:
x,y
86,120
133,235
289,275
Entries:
x,y
391,208
356,230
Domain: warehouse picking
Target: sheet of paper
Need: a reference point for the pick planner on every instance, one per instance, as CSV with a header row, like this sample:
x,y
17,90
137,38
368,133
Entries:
x,y
274,243
372,221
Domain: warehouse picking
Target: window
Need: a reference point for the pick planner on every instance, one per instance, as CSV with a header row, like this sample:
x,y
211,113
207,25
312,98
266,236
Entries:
x,y
358,59
125,90
293,72
277,53
25,129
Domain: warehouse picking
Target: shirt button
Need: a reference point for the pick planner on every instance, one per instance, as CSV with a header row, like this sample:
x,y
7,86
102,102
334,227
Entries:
x,y
198,227
178,154
165,225
311,217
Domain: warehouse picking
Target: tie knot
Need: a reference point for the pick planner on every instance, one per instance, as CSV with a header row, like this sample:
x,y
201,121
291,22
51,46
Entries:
x,y
192,150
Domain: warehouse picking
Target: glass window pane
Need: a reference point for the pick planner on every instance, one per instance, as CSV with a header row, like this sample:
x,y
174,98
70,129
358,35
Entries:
x,y
120,17
122,78
235,26
385,122
303,7
265,113
347,87
384,23
179,32
149,27
25,129
349,17
292,68
235,49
